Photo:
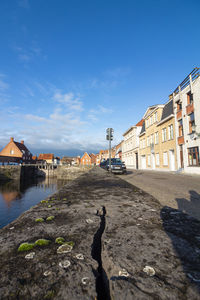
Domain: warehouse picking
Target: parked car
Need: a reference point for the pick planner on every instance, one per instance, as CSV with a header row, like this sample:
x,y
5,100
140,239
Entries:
x,y
117,166
103,163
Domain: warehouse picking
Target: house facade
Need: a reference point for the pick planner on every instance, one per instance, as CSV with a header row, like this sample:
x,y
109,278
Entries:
x,y
157,139
46,158
86,160
166,157
186,99
130,146
16,151
149,132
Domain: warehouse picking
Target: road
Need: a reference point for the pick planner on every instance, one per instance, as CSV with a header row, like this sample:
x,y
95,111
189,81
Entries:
x,y
179,191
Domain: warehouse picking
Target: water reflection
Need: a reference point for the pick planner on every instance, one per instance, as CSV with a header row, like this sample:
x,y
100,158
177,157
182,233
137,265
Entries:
x,y
17,196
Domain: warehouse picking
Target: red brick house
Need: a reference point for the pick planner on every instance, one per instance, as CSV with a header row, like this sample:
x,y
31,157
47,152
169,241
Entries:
x,y
15,151
93,158
86,159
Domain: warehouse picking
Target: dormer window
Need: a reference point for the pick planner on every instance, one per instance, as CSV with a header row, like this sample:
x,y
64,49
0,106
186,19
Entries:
x,y
12,151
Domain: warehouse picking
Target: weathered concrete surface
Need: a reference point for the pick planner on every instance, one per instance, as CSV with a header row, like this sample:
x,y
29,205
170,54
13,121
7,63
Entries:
x,y
119,229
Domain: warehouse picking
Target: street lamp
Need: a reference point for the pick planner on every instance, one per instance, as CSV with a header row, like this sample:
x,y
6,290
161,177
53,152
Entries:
x,y
109,137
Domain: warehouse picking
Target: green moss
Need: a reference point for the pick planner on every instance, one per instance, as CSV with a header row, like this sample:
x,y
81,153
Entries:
x,y
42,242
50,218
44,201
39,220
49,206
65,199
57,208
71,243
25,247
59,240
50,294
53,199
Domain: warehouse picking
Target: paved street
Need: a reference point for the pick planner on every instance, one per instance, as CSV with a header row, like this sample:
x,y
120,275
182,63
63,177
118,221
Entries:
x,y
175,190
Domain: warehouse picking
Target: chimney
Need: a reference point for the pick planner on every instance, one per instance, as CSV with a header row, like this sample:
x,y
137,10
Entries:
x,y
12,139
22,142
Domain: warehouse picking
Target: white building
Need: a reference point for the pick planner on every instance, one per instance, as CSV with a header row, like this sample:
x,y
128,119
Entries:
x,y
130,146
186,99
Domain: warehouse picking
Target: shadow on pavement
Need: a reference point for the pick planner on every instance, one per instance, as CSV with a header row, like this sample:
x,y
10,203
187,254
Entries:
x,y
184,232
191,207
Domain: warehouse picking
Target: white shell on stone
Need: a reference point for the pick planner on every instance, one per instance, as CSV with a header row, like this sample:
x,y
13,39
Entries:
x,y
30,255
149,271
85,280
152,209
11,228
107,241
64,264
80,256
47,273
140,219
64,248
89,221
123,273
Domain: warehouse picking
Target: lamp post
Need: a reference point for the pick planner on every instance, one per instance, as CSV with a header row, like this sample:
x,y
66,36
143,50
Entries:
x,y
109,137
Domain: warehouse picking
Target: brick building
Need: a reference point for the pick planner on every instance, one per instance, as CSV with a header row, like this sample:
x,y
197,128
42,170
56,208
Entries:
x,y
16,152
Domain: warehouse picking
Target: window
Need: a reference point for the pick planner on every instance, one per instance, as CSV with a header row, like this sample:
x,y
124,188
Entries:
x,y
191,122
151,138
180,127
156,116
189,98
140,144
151,120
149,160
143,143
165,159
164,134
148,143
179,105
170,132
156,137
147,122
11,151
157,159
193,156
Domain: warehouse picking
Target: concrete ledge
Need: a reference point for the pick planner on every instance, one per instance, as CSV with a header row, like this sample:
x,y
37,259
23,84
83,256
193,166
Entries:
x,y
118,229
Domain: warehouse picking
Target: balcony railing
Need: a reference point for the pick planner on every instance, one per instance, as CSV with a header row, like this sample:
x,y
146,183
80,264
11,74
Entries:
x,y
181,140
179,114
193,75
190,108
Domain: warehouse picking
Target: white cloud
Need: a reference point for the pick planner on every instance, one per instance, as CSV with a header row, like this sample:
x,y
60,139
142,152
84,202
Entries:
x,y
95,114
70,100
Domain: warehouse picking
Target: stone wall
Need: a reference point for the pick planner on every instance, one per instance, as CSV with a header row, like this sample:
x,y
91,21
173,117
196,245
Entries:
x,y
71,172
10,172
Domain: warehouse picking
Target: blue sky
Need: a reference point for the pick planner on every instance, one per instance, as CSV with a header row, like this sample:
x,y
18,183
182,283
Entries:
x,y
69,69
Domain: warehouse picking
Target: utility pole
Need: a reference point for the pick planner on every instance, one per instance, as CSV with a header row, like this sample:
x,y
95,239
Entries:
x,y
109,137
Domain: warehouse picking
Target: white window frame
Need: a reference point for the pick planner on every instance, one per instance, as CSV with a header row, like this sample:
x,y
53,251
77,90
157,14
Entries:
x,y
170,132
156,138
149,160
157,159
164,135
165,159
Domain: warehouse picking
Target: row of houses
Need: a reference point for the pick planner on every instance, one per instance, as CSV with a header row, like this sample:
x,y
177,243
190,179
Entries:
x,y
168,136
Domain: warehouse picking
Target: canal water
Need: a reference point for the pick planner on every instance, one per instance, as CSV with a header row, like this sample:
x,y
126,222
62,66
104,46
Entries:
x,y
17,197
